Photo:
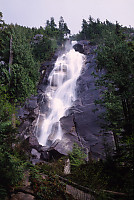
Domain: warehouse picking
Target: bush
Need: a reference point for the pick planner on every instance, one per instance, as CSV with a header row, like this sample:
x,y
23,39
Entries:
x,y
11,172
77,156
11,167
47,187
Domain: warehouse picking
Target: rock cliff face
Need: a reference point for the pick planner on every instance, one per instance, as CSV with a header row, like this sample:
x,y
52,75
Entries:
x,y
81,125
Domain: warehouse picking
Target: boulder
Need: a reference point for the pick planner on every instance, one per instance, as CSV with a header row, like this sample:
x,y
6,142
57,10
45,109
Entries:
x,y
64,146
79,47
31,103
60,148
31,143
35,154
22,196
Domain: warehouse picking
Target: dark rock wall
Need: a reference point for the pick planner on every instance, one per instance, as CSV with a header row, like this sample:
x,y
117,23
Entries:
x,y
81,125
85,121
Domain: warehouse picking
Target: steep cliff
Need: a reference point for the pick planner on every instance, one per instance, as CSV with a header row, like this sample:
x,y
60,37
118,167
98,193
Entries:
x,y
81,125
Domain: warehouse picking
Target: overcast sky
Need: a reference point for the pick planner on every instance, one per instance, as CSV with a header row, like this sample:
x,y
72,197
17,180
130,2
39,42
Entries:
x,y
34,13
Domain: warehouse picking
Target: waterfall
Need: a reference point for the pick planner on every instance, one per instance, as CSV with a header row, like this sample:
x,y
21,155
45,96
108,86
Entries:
x,y
61,93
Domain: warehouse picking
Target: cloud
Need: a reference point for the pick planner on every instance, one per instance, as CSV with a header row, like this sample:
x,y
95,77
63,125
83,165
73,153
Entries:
x,y
34,13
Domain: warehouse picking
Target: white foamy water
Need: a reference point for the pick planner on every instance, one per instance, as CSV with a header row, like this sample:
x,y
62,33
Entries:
x,y
61,94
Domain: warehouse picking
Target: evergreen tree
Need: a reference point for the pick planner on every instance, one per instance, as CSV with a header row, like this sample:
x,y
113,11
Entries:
x,y
63,29
116,58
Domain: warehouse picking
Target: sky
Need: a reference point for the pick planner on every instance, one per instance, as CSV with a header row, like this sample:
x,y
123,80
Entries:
x,y
34,13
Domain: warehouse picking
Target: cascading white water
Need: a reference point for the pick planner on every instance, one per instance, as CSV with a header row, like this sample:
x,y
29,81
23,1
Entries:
x,y
60,94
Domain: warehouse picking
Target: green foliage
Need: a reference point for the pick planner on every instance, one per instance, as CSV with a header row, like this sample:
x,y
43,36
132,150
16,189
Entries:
x,y
21,80
29,47
6,107
100,176
97,176
12,172
21,83
52,32
43,49
4,44
77,156
96,31
90,175
55,167
11,167
3,192
115,64
63,27
117,59
18,80
47,187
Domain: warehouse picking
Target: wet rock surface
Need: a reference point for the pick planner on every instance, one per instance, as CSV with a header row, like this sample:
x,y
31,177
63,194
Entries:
x,y
81,118
81,125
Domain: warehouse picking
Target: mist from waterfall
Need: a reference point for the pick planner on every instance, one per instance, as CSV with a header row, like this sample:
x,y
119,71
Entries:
x,y
60,93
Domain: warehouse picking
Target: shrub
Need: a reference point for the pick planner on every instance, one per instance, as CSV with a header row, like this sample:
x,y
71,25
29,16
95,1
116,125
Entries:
x,y
77,156
47,187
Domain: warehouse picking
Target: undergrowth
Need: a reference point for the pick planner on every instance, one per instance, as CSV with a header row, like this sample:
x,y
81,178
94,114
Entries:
x,y
47,187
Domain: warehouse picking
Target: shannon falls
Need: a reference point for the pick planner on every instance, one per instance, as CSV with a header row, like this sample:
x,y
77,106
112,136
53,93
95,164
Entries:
x,y
60,94
62,112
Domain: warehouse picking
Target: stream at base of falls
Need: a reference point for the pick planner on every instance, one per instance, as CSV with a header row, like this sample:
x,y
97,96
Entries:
x,y
60,94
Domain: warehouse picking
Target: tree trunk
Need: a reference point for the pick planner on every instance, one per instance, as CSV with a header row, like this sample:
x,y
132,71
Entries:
x,y
13,120
116,142
11,54
10,71
128,116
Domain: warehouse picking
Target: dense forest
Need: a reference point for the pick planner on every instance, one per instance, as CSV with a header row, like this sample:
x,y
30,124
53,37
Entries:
x,y
22,50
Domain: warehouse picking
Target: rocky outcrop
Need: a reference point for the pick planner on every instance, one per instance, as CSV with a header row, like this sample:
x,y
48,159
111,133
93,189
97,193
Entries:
x,y
84,47
81,125
79,47
28,116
